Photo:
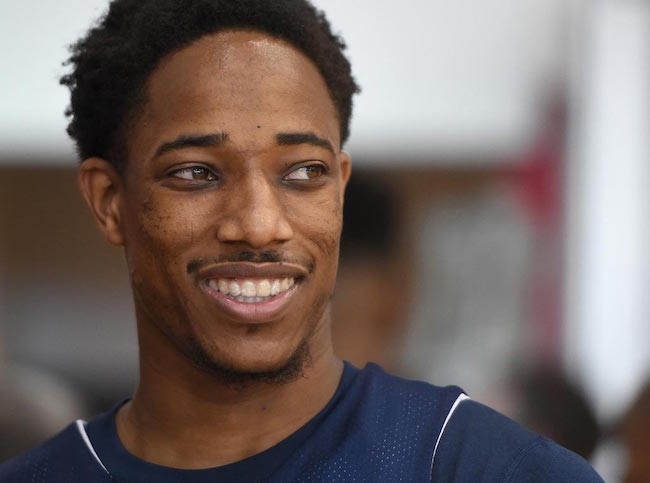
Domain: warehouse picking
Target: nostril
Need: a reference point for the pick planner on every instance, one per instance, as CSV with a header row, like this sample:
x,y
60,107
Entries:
x,y
255,232
255,216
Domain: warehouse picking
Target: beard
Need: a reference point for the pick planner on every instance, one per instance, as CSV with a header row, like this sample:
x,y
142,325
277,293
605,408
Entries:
x,y
229,375
173,321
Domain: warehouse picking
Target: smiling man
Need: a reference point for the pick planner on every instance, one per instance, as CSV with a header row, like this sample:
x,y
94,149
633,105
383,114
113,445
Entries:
x,y
210,134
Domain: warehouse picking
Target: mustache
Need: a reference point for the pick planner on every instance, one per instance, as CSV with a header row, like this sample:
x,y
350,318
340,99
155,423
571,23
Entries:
x,y
267,256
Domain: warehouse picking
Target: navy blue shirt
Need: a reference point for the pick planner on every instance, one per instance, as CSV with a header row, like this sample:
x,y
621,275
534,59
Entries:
x,y
376,428
123,466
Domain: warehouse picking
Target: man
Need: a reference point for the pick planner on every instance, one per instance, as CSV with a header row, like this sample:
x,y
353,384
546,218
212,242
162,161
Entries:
x,y
210,133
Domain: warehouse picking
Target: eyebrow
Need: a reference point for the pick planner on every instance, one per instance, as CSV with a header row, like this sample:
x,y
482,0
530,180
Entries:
x,y
188,141
293,138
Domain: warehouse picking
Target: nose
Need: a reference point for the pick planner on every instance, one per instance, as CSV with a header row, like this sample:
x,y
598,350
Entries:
x,y
254,215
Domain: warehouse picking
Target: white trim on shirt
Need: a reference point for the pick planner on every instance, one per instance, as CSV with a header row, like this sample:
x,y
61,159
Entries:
x,y
81,427
459,399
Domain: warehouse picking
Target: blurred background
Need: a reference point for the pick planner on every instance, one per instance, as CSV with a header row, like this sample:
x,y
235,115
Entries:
x,y
497,224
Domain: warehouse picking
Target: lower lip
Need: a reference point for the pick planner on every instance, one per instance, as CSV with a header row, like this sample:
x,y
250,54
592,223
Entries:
x,y
251,313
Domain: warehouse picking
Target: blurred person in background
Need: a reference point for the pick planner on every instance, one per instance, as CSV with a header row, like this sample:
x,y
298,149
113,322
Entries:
x,y
634,432
210,134
368,312
549,404
34,405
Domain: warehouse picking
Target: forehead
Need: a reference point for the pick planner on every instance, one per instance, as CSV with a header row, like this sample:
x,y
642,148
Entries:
x,y
243,83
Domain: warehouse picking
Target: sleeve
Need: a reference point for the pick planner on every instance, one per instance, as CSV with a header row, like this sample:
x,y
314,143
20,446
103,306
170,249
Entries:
x,y
62,459
546,461
481,445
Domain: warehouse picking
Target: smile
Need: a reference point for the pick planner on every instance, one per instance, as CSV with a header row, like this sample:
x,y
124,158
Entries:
x,y
248,307
251,291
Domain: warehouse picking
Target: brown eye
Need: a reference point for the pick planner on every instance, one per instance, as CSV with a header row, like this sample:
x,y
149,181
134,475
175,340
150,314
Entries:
x,y
195,173
306,172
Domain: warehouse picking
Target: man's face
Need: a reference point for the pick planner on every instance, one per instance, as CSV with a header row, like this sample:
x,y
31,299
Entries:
x,y
231,208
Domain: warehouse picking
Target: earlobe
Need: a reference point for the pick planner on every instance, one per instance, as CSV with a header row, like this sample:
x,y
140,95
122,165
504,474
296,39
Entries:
x,y
101,187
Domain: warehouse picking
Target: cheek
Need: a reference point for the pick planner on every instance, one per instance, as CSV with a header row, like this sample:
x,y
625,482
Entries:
x,y
319,220
166,225
159,231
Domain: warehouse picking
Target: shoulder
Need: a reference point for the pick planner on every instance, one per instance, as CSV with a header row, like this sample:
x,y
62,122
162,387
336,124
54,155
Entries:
x,y
382,428
63,458
403,402
378,384
479,444
29,465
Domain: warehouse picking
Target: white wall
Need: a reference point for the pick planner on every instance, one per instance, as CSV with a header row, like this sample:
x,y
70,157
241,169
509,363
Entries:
x,y
441,79
608,197
33,39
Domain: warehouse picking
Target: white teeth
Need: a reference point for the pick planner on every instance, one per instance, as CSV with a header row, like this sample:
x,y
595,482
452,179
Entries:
x,y
251,290
264,288
248,289
233,288
251,300
275,287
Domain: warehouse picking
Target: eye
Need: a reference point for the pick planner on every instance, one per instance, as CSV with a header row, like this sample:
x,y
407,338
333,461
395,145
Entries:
x,y
306,172
195,173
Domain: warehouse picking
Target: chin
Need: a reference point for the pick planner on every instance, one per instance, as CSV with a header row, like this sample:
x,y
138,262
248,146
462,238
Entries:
x,y
255,364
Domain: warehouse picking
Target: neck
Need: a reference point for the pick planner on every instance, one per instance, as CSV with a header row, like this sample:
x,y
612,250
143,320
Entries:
x,y
182,417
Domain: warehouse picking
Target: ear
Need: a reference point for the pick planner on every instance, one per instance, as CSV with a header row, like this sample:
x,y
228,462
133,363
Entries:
x,y
345,168
102,188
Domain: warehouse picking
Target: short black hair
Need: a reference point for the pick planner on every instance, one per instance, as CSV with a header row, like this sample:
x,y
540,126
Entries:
x,y
112,62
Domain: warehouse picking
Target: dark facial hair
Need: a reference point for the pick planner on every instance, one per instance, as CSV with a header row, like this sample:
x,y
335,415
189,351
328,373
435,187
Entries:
x,y
291,370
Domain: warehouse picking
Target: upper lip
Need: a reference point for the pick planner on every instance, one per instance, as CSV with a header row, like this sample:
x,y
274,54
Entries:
x,y
251,270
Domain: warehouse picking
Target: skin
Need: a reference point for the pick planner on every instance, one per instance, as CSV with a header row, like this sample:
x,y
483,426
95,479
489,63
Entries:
x,y
215,388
